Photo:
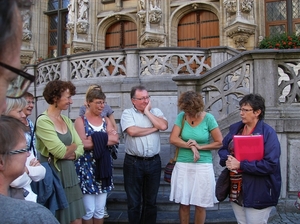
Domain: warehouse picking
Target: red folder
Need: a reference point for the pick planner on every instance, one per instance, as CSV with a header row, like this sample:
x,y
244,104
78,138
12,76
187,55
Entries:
x,y
248,147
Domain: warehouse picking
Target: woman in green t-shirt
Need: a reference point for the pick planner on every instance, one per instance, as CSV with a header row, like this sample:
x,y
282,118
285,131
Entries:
x,y
193,179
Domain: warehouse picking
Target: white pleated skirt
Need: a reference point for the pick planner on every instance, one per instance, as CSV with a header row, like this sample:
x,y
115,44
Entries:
x,y
193,184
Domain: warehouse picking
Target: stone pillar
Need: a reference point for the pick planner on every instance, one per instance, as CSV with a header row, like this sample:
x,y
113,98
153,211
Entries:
x,y
132,63
240,24
265,80
150,15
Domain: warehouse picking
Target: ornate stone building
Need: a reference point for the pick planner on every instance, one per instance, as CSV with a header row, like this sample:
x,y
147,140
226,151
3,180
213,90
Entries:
x,y
62,27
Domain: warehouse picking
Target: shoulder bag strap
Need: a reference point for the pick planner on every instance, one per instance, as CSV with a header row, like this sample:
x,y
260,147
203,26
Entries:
x,y
32,133
177,148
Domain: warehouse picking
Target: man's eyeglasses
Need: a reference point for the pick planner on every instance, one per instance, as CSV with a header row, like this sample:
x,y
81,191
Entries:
x,y
19,151
245,110
143,98
18,86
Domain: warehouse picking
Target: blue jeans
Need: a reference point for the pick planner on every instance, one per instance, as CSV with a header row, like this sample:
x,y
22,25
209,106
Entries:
x,y
141,181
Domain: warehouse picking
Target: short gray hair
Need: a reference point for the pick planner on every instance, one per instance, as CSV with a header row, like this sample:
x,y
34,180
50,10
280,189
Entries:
x,y
14,103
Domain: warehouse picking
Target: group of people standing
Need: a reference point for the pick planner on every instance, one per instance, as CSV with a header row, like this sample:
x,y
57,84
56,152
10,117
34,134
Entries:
x,y
78,156
196,134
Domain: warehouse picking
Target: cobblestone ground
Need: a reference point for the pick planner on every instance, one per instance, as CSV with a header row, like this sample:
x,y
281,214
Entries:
x,y
285,218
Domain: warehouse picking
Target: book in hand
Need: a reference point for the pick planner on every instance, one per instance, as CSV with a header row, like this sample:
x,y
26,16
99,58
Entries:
x,y
248,147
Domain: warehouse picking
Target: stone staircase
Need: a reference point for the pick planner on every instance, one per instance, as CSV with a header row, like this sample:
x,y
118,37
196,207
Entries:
x,y
167,210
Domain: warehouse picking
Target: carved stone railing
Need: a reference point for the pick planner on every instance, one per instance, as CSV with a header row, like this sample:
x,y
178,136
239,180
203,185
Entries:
x,y
272,73
162,61
275,75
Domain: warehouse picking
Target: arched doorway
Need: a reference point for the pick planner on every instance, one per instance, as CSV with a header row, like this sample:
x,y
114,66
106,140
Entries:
x,y
198,29
120,35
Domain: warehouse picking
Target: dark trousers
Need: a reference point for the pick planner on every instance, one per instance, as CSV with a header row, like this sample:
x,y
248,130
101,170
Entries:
x,y
141,181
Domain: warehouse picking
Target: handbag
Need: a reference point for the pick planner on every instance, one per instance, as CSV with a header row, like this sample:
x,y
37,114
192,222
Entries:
x,y
223,185
169,167
114,151
171,164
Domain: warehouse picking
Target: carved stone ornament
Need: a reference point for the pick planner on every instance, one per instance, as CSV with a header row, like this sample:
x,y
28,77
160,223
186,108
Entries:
x,y
82,27
240,40
195,6
118,17
155,15
27,35
26,56
70,26
230,6
81,47
78,49
142,16
240,34
152,39
247,6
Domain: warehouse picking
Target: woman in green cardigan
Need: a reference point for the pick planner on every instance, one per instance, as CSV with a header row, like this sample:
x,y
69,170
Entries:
x,y
59,143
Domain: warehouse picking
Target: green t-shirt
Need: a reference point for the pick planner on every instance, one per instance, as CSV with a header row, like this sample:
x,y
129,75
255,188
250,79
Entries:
x,y
200,133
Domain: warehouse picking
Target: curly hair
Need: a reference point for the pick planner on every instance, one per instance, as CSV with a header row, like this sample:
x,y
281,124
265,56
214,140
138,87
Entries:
x,y
191,102
54,89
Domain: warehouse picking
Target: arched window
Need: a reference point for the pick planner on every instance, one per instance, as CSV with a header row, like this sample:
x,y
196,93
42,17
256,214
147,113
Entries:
x,y
198,29
57,30
282,16
120,35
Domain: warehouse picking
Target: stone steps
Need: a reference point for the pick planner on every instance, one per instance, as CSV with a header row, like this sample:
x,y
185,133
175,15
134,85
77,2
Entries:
x,y
167,210
212,217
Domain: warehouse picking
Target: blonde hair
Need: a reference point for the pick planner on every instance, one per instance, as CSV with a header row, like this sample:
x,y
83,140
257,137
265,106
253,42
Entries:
x,y
14,103
91,87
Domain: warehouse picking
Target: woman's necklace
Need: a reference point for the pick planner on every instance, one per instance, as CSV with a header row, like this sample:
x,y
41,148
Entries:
x,y
198,115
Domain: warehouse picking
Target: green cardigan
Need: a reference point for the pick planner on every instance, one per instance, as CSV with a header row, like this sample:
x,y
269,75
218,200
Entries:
x,y
47,140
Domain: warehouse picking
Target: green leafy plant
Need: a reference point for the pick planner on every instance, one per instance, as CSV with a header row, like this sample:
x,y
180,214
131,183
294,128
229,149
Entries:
x,y
281,41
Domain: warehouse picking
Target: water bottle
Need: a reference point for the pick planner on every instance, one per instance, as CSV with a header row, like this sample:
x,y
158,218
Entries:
x,y
297,202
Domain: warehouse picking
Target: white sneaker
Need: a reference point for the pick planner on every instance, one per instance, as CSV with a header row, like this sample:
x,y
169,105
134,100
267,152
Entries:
x,y
106,215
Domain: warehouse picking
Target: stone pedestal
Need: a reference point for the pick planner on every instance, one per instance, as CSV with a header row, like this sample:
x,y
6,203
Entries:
x,y
81,47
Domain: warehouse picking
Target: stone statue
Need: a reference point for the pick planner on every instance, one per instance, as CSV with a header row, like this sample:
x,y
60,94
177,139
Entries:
x,y
142,5
26,16
154,4
142,12
26,19
71,9
83,6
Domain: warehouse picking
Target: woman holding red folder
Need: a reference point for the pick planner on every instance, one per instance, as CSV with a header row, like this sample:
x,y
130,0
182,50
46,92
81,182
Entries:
x,y
255,188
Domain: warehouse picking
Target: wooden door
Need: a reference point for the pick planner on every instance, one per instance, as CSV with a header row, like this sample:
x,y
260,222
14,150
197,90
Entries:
x,y
199,29
121,35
